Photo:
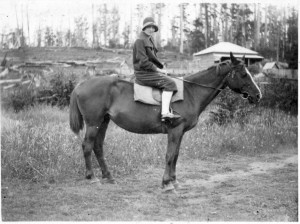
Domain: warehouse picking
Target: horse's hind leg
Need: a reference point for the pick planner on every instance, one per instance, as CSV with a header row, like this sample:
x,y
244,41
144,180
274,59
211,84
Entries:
x,y
87,147
98,150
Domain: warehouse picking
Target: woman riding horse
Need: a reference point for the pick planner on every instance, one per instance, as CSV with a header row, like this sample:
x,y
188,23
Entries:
x,y
96,101
149,70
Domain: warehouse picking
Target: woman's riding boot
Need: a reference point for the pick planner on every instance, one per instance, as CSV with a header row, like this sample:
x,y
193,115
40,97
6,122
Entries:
x,y
165,105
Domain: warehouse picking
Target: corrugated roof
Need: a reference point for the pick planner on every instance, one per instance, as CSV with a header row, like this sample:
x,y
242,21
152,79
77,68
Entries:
x,y
240,55
270,65
226,47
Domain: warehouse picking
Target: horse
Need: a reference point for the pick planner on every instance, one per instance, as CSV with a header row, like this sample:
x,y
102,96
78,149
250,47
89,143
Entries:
x,y
97,101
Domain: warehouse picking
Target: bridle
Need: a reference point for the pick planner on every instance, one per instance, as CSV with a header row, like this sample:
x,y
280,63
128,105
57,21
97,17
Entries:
x,y
231,72
198,84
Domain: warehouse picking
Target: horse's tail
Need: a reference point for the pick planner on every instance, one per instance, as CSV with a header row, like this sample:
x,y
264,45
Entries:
x,y
76,120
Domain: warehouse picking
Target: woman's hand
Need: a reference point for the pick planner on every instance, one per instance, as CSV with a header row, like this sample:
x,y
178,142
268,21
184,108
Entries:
x,y
162,71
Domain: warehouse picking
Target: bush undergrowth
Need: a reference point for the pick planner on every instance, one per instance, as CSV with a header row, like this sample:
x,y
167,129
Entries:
x,y
281,94
37,144
56,93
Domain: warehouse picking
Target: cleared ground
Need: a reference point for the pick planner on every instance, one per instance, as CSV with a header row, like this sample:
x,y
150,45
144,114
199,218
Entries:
x,y
231,188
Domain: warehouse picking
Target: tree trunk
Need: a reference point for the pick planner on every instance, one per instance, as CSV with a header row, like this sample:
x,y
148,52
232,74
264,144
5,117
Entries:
x,y
278,38
28,26
206,26
257,26
243,25
93,27
266,27
226,25
181,29
201,16
216,34
173,30
284,33
22,32
158,42
200,12
131,27
105,24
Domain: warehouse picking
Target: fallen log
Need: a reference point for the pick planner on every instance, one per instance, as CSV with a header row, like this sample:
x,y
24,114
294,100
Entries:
x,y
9,86
7,81
74,63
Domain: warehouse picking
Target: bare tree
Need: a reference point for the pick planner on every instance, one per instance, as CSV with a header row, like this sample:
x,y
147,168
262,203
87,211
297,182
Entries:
x,y
81,28
225,18
93,28
181,29
114,21
207,28
39,36
156,13
174,29
28,25
126,36
257,26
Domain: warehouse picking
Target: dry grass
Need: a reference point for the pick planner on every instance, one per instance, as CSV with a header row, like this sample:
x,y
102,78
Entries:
x,y
37,144
267,131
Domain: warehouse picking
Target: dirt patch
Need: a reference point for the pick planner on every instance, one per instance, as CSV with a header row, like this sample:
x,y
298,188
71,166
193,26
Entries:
x,y
233,188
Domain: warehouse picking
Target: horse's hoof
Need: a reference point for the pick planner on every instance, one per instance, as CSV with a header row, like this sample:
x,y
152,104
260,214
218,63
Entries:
x,y
89,175
168,188
95,180
109,181
176,184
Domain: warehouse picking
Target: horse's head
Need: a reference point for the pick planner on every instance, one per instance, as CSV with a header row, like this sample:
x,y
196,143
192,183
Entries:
x,y
240,80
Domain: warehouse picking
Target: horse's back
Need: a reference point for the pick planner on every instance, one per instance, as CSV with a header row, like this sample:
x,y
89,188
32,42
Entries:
x,y
95,85
101,94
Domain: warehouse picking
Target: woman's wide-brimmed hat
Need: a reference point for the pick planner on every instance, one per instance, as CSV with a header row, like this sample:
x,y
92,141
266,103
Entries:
x,y
149,21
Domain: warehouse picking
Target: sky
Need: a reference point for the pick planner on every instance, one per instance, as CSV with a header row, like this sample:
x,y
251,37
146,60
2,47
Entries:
x,y
61,13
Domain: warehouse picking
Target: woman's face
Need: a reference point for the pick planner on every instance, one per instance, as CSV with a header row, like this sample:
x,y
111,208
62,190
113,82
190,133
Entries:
x,y
149,30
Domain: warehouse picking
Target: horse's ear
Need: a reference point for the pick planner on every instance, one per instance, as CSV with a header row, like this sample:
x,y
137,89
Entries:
x,y
243,59
232,58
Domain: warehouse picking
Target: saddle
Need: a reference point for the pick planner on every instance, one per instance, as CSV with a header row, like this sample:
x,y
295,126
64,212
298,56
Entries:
x,y
150,95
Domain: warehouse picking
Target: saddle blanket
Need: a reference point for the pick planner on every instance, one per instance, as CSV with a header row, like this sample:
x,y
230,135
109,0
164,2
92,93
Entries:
x,y
149,95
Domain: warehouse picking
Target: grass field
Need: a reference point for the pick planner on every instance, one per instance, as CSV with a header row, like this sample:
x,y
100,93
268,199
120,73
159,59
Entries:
x,y
37,144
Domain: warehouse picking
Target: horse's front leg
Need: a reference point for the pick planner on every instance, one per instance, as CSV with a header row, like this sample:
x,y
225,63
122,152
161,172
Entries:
x,y
174,140
173,165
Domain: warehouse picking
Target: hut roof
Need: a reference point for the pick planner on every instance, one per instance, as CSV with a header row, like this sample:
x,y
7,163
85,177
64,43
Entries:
x,y
270,65
225,47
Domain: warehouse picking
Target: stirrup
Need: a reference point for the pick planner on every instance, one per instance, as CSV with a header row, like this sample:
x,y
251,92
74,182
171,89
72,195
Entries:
x,y
169,116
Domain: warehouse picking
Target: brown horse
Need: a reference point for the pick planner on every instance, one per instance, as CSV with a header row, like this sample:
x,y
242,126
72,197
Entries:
x,y
98,100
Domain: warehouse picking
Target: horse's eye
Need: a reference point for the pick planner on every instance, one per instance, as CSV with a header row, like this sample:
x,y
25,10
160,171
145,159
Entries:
x,y
244,74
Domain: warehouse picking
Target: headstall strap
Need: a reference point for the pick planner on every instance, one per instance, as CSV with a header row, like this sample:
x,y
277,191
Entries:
x,y
232,74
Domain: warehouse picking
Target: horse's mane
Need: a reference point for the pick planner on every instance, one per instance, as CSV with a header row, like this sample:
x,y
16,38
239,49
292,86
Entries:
x,y
218,66
211,72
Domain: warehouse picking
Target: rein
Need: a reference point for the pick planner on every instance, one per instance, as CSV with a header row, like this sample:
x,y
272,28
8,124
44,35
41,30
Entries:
x,y
198,84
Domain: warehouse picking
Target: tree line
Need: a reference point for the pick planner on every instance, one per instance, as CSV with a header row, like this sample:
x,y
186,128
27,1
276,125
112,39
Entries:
x,y
266,28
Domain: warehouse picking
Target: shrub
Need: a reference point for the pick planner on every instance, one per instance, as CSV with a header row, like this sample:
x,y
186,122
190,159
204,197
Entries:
x,y
60,90
281,94
19,99
56,94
